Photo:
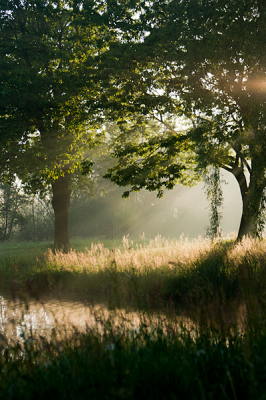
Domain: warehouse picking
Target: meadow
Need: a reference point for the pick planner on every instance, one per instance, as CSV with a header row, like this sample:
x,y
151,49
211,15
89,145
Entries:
x,y
219,286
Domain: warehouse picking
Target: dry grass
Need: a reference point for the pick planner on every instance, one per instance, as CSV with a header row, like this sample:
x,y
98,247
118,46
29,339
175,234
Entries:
x,y
186,272
158,253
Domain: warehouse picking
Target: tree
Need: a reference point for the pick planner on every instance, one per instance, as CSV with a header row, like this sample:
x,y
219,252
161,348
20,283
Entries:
x,y
10,201
54,85
24,216
204,60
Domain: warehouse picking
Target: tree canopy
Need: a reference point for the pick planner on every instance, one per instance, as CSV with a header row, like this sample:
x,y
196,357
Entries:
x,y
67,66
54,87
204,60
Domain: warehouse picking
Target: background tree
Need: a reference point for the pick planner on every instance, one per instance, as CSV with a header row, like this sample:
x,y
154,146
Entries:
x,y
35,219
24,216
10,201
204,60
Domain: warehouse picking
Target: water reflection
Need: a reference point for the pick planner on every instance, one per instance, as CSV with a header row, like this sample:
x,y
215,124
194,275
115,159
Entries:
x,y
20,320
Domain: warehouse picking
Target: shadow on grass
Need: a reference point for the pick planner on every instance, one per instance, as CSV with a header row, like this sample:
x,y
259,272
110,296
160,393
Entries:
x,y
214,276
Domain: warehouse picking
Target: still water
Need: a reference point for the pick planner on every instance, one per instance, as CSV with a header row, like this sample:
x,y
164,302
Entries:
x,y
20,320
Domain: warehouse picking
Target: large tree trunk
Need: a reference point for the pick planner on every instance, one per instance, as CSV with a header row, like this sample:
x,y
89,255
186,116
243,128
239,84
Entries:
x,y
249,216
247,225
60,202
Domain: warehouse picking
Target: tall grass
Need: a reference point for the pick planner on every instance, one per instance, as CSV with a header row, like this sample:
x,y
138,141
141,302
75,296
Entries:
x,y
178,270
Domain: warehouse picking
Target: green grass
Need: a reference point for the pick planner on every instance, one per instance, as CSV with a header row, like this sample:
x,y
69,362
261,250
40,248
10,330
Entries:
x,y
28,251
23,251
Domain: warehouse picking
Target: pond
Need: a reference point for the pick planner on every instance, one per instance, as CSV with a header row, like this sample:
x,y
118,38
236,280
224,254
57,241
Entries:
x,y
31,318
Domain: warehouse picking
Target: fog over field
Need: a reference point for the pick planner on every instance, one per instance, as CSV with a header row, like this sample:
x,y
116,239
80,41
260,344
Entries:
x,y
193,208
182,210
106,215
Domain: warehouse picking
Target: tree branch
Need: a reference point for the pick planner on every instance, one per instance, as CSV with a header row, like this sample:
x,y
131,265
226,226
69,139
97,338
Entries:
x,y
226,168
168,126
239,155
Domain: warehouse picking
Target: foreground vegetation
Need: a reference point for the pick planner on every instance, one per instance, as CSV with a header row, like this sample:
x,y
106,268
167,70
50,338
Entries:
x,y
217,353
158,361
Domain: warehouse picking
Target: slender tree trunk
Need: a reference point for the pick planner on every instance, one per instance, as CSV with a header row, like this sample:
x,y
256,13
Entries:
x,y
15,207
8,210
246,224
60,202
33,220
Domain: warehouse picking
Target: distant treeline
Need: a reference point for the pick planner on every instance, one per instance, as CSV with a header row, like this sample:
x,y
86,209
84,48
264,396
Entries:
x,y
29,217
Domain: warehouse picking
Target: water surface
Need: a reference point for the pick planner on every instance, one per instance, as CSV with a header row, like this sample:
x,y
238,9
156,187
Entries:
x,y
20,320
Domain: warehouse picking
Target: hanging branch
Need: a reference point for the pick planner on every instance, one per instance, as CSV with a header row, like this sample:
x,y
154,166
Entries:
x,y
213,190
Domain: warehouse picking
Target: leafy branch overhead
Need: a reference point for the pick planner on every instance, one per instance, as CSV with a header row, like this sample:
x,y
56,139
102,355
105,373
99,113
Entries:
x,y
151,158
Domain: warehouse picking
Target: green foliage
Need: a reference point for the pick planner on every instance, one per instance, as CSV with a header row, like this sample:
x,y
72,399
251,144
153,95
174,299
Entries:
x,y
86,167
55,82
40,44
150,157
